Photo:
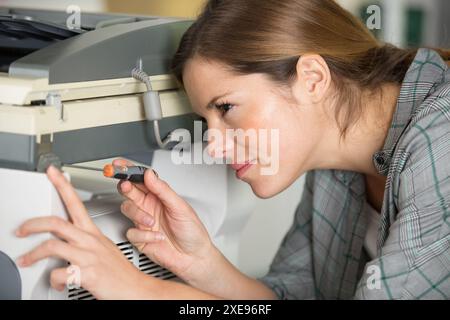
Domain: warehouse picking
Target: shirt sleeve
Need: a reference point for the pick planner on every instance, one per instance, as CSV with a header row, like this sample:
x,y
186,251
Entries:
x,y
415,258
290,275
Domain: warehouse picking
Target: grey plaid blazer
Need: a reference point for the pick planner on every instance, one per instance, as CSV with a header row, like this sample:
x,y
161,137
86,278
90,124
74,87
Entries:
x,y
322,256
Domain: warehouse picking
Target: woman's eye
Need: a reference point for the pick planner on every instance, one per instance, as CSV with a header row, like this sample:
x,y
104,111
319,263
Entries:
x,y
224,107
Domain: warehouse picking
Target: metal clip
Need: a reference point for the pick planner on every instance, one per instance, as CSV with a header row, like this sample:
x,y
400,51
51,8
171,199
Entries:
x,y
54,100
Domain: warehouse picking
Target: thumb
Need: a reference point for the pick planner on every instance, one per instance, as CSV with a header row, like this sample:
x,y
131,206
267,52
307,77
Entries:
x,y
162,190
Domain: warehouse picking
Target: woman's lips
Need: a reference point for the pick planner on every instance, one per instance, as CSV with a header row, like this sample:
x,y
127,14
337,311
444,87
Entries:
x,y
241,168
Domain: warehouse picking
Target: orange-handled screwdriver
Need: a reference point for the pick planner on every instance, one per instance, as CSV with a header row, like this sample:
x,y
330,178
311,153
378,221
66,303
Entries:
x,y
129,173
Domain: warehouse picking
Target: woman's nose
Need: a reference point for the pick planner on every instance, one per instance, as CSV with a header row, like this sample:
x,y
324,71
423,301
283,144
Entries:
x,y
217,145
215,149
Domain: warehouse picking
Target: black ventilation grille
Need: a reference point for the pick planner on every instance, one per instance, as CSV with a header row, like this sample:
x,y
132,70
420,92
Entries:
x,y
144,264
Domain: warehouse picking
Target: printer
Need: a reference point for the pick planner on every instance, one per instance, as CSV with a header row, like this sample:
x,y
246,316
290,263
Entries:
x,y
67,97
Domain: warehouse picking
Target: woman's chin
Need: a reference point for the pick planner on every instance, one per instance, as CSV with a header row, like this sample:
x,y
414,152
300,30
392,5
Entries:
x,y
263,191
266,187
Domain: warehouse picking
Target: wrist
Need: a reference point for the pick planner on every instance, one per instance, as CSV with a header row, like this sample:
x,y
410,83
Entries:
x,y
204,273
145,287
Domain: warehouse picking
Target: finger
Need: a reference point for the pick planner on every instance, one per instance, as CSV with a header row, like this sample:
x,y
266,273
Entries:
x,y
133,193
52,248
59,278
141,236
162,190
75,207
57,226
137,215
122,162
140,186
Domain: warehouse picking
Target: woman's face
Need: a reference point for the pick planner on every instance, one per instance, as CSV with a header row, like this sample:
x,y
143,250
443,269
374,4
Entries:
x,y
280,132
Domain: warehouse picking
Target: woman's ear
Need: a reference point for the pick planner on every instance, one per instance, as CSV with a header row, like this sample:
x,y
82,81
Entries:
x,y
313,79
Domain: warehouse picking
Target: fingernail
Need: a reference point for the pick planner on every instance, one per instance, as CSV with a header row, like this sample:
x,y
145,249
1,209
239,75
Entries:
x,y
51,169
18,232
152,172
124,184
20,261
160,236
148,221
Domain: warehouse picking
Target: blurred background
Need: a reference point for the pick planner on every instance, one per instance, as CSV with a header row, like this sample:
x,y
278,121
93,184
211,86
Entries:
x,y
403,22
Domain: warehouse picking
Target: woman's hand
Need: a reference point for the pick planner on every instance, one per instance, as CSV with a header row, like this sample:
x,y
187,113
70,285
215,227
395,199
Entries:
x,y
167,229
104,271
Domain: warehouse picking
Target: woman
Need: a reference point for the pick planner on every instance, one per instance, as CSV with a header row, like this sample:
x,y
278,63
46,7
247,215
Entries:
x,y
368,122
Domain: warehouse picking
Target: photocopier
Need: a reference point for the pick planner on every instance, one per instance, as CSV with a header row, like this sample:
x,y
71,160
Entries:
x,y
67,97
